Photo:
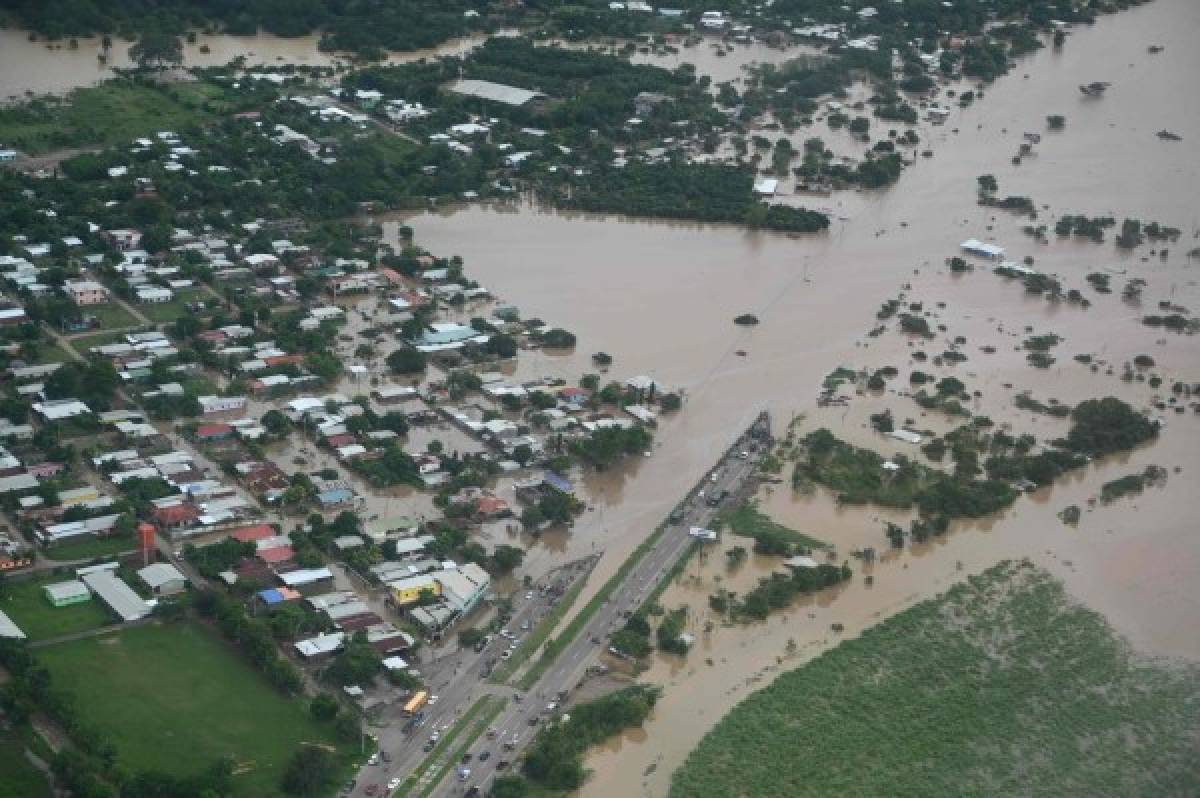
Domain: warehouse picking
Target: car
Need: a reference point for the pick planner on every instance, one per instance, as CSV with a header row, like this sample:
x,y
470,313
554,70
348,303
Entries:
x,y
432,700
433,738
472,792
743,455
372,789
524,626
374,760
466,757
517,697
529,595
533,721
394,783
506,653
502,764
485,756
385,756
464,774
427,747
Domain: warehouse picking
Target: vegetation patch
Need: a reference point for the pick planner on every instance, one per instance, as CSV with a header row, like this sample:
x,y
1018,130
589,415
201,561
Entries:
x,y
747,521
173,698
1002,686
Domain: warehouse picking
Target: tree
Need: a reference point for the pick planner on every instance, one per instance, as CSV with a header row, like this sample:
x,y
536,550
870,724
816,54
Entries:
x,y
324,707
406,360
310,770
502,346
505,558
522,453
987,184
157,51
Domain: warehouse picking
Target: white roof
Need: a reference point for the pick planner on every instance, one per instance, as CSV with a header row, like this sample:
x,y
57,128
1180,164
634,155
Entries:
x,y
908,436
979,247
117,595
800,562
9,629
305,576
497,92
160,573
321,644
66,590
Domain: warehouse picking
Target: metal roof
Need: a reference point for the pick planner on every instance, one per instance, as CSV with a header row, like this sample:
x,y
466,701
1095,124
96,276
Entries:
x,y
117,595
496,92
8,628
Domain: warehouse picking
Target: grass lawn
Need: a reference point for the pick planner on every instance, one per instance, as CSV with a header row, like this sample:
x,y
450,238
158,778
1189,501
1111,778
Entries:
x,y
26,603
115,111
1003,686
48,351
175,698
747,521
170,311
88,549
21,779
111,315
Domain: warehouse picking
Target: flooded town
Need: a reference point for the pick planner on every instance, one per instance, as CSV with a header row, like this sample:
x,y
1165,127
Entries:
x,y
615,401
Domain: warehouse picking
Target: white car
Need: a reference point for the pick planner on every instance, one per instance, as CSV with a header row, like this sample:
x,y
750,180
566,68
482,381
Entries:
x,y
374,760
529,595
432,700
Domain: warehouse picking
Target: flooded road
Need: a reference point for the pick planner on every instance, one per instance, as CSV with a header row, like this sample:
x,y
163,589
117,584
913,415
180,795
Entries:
x,y
660,297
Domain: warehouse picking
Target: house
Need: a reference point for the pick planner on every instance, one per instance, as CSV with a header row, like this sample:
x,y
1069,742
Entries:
x,y
207,433
320,647
766,186
64,594
18,483
12,316
308,581
86,292
163,579
212,405
153,295
974,246
175,516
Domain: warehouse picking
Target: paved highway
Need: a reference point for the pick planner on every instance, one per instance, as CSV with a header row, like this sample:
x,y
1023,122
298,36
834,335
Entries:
x,y
458,680
523,716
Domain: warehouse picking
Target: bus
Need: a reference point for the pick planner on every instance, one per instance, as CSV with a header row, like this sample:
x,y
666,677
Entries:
x,y
415,703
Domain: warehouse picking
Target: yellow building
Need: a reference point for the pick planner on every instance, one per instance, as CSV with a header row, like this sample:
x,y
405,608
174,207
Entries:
x,y
407,591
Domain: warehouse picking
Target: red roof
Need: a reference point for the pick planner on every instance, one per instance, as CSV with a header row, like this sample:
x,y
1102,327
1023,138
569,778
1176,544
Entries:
x,y
276,554
567,393
213,430
338,441
176,514
247,534
490,505
283,360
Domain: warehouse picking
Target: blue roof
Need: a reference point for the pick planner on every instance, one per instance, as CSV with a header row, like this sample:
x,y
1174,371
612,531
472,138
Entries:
x,y
270,595
558,482
335,496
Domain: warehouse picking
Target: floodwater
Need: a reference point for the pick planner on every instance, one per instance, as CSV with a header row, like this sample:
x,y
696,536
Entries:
x,y
660,297
41,67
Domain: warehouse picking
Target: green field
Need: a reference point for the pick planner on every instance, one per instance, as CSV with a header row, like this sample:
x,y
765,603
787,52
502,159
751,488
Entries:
x,y
111,113
176,698
21,779
111,316
170,311
89,549
25,602
1003,686
83,343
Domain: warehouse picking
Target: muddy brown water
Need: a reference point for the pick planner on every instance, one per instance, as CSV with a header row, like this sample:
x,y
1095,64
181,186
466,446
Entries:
x,y
43,67
660,298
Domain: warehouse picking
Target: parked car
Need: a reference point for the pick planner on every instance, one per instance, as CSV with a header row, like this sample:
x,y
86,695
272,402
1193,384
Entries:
x,y
485,756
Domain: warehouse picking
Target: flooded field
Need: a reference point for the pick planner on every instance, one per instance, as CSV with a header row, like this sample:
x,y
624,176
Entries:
x,y
660,298
41,67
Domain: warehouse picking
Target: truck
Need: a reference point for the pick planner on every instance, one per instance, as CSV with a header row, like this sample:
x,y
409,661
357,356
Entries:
x,y
413,705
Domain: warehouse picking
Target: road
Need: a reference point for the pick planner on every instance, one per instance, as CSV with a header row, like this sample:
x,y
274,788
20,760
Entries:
x,y
459,679
524,714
